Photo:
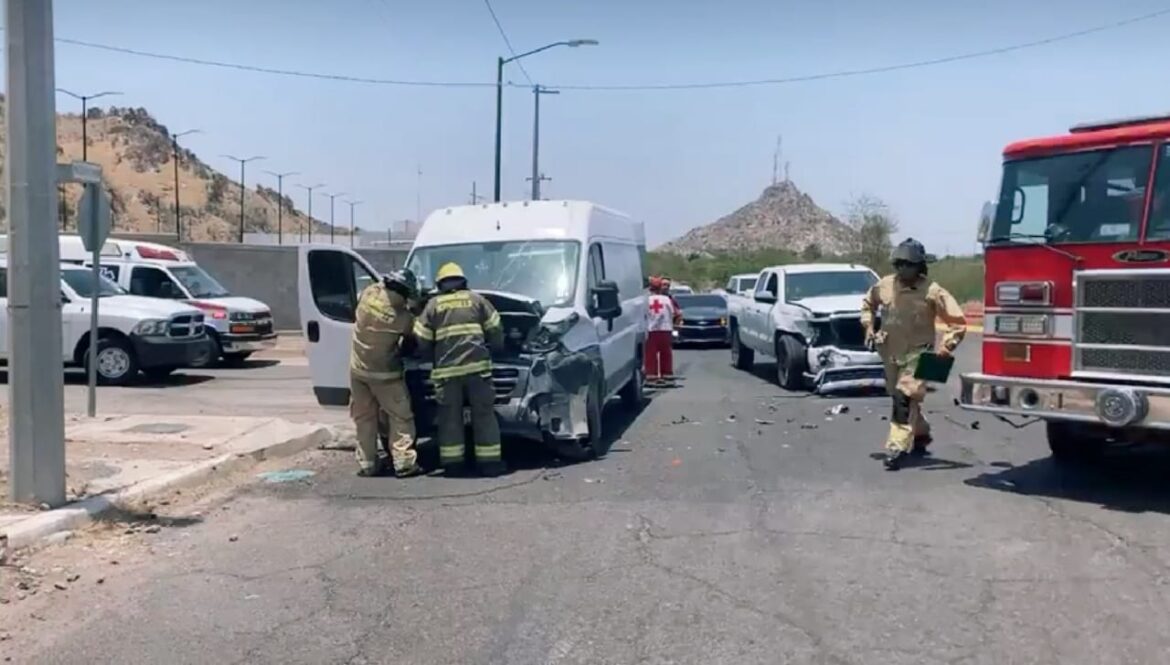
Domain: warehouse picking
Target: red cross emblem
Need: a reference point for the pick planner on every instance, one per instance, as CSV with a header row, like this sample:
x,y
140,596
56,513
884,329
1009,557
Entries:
x,y
656,306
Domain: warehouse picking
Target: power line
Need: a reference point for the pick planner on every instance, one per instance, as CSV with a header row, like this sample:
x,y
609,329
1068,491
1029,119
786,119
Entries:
x,y
507,42
848,73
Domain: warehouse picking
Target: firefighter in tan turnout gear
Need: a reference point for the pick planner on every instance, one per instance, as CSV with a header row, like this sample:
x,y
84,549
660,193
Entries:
x,y
906,307
382,324
456,331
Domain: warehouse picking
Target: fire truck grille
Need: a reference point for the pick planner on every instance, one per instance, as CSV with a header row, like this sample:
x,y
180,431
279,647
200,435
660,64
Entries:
x,y
1123,324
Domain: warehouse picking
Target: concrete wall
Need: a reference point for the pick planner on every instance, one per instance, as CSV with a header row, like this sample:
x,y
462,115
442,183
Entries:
x,y
264,272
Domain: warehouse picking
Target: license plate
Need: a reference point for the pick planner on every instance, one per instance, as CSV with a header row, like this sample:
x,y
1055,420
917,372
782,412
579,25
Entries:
x,y
466,416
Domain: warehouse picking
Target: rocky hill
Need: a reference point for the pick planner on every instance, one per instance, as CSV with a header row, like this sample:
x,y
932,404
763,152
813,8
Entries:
x,y
134,151
782,218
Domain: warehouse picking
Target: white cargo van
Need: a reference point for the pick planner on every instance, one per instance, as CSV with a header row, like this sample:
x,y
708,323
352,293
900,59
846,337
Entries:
x,y
566,277
135,334
237,326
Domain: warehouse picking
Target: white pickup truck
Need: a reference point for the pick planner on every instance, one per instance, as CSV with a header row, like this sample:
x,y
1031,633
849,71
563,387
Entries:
x,y
807,317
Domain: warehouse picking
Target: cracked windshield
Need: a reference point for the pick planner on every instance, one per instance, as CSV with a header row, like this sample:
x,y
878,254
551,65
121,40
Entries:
x,y
534,332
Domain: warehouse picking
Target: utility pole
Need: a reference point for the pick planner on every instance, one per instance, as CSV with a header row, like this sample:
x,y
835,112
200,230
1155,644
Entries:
x,y
535,183
352,205
418,196
537,176
332,226
475,197
36,433
776,161
310,189
175,157
242,162
84,136
280,203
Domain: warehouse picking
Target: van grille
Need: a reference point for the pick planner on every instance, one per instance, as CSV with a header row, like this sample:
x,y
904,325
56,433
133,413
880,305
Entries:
x,y
1123,324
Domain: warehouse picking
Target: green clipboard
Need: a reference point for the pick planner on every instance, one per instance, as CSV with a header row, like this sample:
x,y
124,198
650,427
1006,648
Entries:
x,y
933,367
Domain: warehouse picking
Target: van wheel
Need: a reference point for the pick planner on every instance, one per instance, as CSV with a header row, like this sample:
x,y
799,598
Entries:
x,y
582,450
791,362
633,393
116,364
741,356
1074,444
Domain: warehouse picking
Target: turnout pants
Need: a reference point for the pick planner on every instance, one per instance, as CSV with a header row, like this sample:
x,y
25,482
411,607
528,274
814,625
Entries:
x,y
907,421
659,355
477,392
367,398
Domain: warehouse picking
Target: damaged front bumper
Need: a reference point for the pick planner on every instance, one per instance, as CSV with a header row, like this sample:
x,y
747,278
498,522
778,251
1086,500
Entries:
x,y
833,369
538,396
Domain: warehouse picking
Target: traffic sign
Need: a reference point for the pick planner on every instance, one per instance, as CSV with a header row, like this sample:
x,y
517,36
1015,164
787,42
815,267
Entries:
x,y
93,223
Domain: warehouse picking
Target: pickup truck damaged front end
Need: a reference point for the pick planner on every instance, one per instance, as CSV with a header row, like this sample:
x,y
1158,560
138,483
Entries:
x,y
837,358
542,387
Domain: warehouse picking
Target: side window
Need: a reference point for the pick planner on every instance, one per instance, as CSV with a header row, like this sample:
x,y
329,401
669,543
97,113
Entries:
x,y
3,282
110,272
596,265
337,280
773,284
624,267
153,283
762,285
1159,226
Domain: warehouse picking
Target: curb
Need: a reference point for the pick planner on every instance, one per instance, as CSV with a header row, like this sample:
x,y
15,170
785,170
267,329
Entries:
x,y
30,531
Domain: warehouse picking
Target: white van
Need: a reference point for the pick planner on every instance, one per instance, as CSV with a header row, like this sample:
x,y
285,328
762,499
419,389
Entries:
x,y
237,326
566,277
135,334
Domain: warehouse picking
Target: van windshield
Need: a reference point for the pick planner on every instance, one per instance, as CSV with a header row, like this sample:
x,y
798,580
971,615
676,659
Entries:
x,y
81,281
545,270
198,283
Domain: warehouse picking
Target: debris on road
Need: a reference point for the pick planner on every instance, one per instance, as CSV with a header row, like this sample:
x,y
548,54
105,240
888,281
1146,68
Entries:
x,y
731,418
676,462
809,426
762,421
680,420
233,538
837,410
286,476
153,528
60,586
594,480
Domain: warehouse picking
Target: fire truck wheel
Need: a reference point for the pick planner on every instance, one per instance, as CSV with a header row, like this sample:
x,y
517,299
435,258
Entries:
x,y
1074,443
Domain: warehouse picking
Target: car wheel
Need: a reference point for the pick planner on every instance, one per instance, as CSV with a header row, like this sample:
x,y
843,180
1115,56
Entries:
x,y
791,363
1074,444
633,393
116,364
741,356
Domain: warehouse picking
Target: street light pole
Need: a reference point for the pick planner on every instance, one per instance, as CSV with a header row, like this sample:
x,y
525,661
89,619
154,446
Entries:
x,y
84,134
310,189
352,205
280,203
500,62
537,91
332,226
175,157
242,190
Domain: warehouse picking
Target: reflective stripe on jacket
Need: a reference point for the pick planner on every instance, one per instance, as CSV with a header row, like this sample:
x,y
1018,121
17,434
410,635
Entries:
x,y
455,332
381,322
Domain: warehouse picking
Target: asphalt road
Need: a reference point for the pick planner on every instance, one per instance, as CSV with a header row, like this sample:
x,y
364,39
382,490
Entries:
x,y
704,537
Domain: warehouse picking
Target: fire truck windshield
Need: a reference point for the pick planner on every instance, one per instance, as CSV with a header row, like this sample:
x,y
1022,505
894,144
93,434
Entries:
x,y
1084,197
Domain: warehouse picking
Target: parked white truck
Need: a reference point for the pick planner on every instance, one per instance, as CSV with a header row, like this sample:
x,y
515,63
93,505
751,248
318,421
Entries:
x,y
807,317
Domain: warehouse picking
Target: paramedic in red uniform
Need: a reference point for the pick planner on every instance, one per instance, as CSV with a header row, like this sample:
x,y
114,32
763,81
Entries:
x,y
660,315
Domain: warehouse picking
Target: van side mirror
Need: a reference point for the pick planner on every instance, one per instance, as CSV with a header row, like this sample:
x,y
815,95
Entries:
x,y
765,297
606,302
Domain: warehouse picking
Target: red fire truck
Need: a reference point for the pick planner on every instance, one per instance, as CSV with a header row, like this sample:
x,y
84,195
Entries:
x,y
1077,313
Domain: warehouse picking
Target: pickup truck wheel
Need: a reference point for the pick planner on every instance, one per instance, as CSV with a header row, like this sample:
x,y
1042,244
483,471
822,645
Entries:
x,y
116,364
741,356
1074,443
791,362
211,357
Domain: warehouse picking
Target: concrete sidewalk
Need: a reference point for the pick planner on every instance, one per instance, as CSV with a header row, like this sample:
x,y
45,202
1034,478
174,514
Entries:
x,y
112,461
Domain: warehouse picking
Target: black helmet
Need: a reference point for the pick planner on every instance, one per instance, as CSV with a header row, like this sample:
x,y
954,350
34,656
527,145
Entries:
x,y
403,281
910,251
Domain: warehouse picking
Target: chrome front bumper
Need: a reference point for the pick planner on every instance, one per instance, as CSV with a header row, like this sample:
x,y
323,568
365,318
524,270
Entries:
x,y
832,369
1113,405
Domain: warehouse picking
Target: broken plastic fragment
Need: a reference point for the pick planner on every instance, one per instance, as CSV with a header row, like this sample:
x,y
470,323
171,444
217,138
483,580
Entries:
x,y
837,410
285,476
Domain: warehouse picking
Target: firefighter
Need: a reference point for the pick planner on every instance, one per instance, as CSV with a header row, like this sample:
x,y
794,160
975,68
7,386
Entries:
x,y
660,315
381,336
899,314
457,331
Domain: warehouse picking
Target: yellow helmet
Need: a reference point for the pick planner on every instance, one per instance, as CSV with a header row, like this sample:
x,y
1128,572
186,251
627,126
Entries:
x,y
448,271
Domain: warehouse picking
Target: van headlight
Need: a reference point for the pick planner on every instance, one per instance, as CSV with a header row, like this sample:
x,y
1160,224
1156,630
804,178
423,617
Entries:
x,y
549,334
151,328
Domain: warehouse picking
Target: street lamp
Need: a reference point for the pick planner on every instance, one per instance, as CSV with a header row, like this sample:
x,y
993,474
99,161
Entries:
x,y
331,224
242,191
85,112
280,202
352,204
537,91
310,188
500,62
175,157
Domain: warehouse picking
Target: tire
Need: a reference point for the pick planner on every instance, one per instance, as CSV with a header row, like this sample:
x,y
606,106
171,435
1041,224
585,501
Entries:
x,y
116,363
791,363
158,373
632,394
741,356
1074,444
236,359
215,351
593,447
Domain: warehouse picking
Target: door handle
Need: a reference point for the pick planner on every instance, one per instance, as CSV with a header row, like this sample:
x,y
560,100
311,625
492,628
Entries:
x,y
313,331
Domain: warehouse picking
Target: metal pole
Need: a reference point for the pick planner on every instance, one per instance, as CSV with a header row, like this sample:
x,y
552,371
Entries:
x,y
84,137
242,162
331,224
499,122
280,209
536,143
36,433
178,223
91,403
310,214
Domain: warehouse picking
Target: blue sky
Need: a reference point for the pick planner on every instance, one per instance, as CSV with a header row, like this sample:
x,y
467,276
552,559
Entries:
x,y
926,140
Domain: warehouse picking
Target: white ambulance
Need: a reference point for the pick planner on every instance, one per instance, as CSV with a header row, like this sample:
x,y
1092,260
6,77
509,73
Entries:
x,y
236,326
566,278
